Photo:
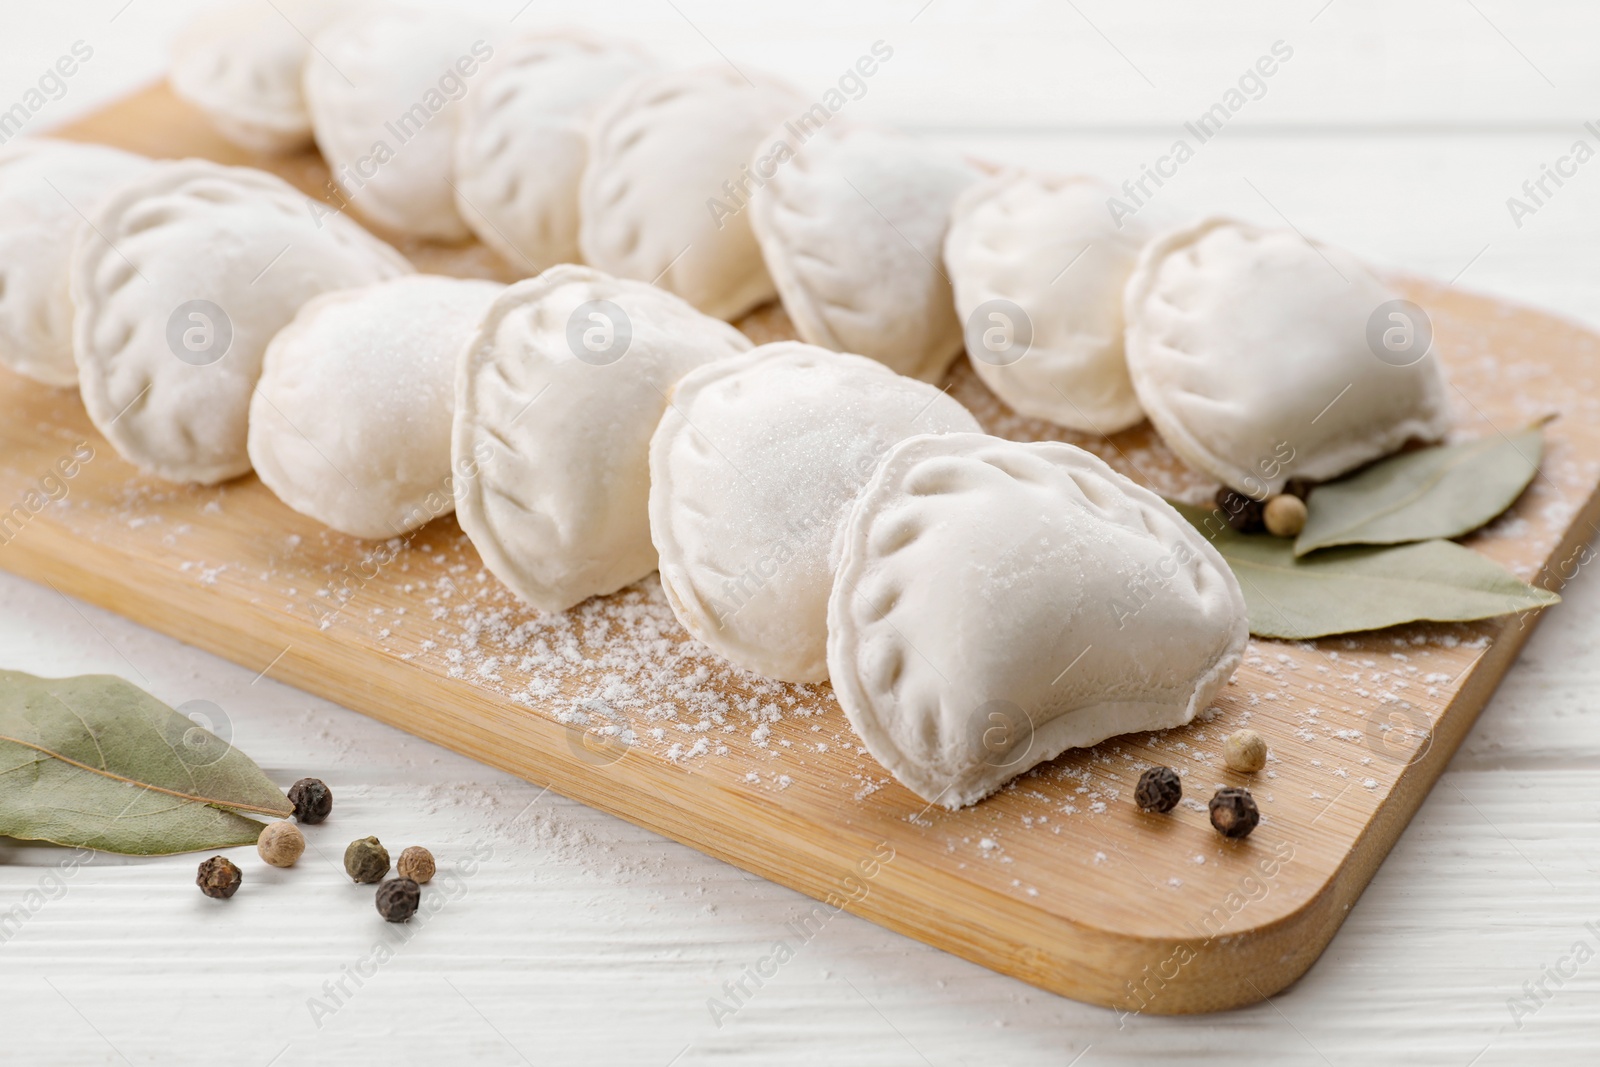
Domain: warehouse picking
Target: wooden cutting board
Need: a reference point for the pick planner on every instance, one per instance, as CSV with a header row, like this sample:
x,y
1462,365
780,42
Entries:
x,y
1057,880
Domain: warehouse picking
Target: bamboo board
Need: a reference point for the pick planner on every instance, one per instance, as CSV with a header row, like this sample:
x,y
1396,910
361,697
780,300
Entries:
x,y
1057,880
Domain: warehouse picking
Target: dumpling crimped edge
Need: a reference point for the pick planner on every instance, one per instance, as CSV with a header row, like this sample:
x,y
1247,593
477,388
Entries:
x,y
464,433
94,244
1073,730
1175,432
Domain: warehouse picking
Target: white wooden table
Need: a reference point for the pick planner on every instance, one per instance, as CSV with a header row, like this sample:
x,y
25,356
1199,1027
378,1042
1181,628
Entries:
x,y
578,938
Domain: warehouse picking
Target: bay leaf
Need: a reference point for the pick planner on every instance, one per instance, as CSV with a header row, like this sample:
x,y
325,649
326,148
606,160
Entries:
x,y
96,762
1444,491
1362,587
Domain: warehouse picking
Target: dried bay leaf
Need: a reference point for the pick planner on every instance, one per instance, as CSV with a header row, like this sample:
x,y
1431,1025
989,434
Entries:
x,y
1362,587
1418,496
96,762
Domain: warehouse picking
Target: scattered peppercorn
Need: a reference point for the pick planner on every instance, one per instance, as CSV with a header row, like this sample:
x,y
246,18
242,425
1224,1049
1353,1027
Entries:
x,y
1300,487
1284,515
398,899
1245,751
1243,513
312,800
416,863
366,860
218,878
281,843
1234,812
1158,790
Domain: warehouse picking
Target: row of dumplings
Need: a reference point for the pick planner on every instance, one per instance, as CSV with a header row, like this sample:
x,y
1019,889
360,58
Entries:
x,y
729,188
1248,349
550,147
562,148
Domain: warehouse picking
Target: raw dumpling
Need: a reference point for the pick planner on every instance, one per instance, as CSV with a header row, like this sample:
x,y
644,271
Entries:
x,y
1250,351
522,146
852,229
752,471
384,91
1045,244
183,276
664,195
350,423
998,603
242,66
556,399
44,185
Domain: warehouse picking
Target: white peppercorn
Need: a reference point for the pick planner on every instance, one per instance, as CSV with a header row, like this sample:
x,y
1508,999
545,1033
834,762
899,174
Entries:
x,y
416,863
1244,751
281,843
1284,515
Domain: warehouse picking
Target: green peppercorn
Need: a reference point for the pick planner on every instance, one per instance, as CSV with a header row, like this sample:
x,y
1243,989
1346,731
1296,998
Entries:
x,y
312,800
398,898
366,860
1158,790
1234,812
219,878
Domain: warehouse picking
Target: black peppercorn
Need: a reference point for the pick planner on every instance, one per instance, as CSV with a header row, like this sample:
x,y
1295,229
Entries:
x,y
218,878
398,899
1245,514
1234,812
312,800
366,860
1299,487
1158,790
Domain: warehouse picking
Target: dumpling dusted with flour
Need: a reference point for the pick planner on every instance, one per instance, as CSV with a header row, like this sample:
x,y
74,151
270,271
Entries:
x,y
664,153
557,395
523,143
350,423
752,471
181,278
46,189
852,230
998,603
384,88
1038,268
1261,356
242,65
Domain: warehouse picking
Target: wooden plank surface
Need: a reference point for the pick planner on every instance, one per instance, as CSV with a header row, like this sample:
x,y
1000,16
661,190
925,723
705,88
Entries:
x,y
1038,882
